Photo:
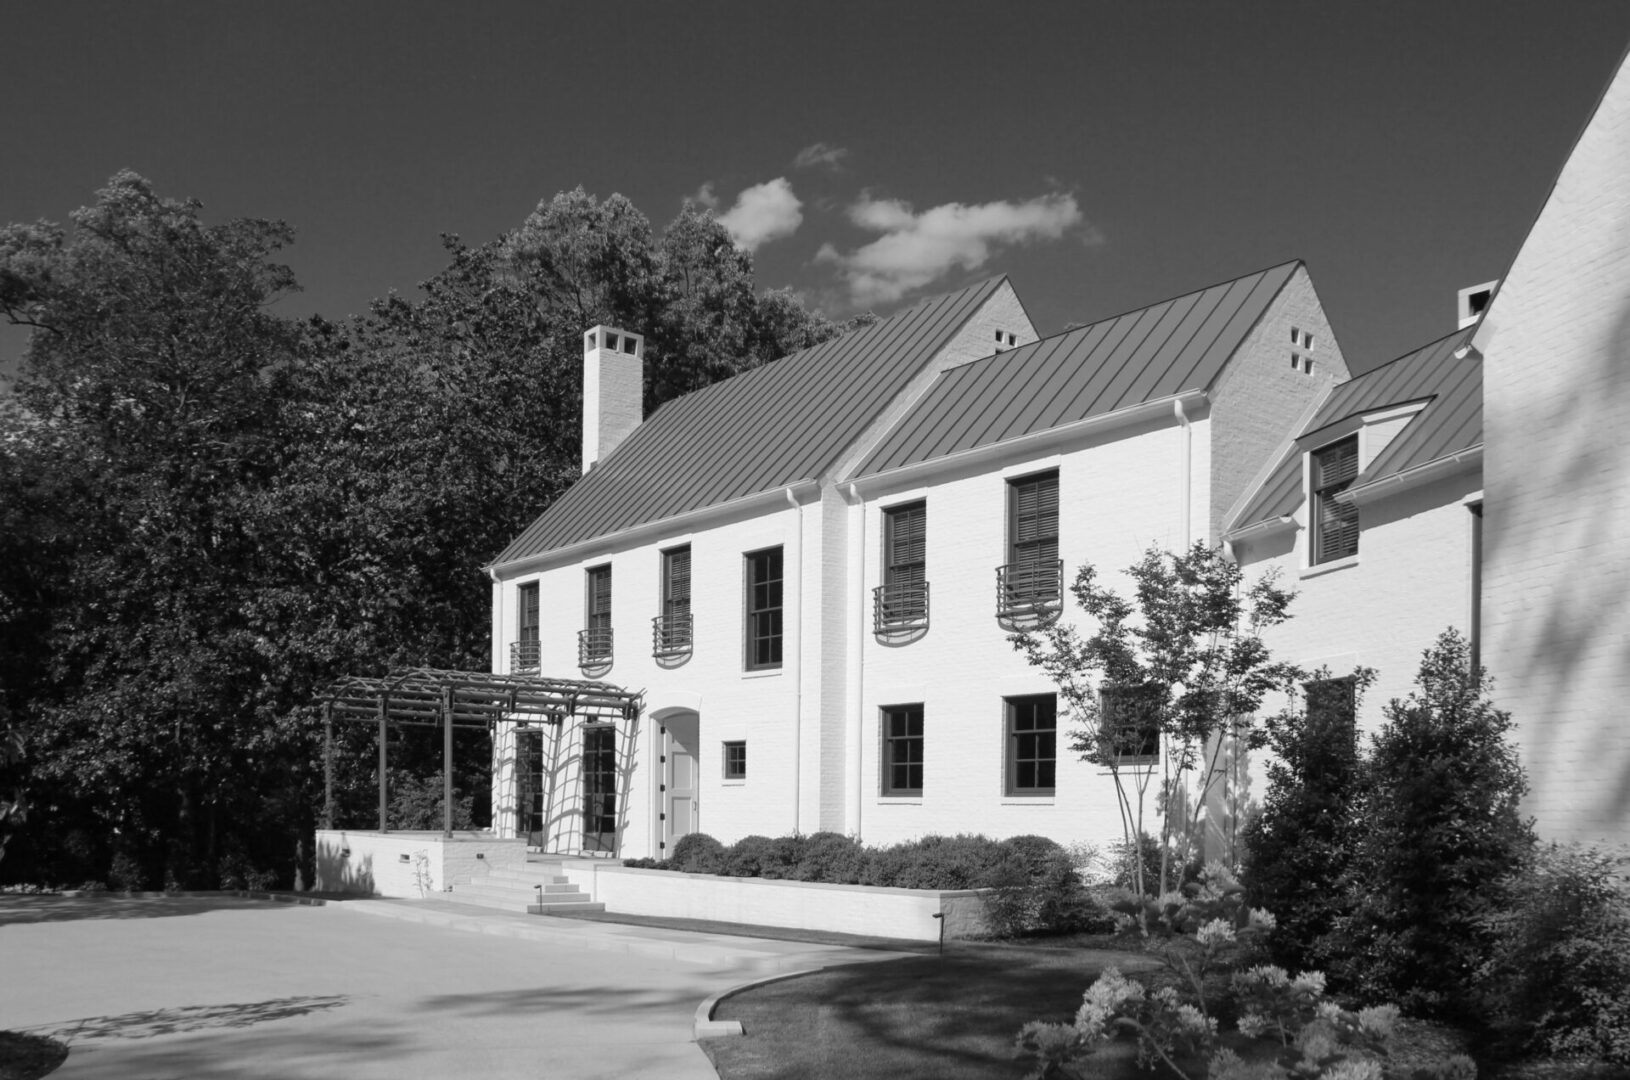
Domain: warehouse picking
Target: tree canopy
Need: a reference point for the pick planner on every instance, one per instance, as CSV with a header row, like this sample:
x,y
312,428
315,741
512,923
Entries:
x,y
212,510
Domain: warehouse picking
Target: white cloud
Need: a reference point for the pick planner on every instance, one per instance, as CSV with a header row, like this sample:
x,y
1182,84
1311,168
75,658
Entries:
x,y
706,196
763,212
821,154
917,249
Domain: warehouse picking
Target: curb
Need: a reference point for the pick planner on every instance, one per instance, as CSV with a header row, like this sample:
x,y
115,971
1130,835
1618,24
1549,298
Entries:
x,y
705,1027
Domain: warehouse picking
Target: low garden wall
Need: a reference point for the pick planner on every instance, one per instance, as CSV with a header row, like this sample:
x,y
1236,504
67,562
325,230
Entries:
x,y
409,863
802,905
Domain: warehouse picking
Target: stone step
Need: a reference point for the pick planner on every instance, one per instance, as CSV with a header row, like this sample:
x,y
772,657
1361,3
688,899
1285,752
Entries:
x,y
564,909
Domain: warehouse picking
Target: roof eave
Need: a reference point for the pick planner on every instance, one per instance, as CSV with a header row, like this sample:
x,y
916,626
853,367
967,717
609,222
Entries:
x,y
1029,445
1394,483
1259,529
760,501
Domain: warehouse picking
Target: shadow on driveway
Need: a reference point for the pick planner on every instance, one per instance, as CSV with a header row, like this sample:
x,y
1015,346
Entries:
x,y
189,1018
49,908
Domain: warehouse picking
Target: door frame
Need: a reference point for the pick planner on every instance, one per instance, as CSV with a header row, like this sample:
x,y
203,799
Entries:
x,y
665,740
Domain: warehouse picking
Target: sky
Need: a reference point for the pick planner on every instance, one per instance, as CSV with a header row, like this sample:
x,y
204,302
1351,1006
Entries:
x,y
1104,155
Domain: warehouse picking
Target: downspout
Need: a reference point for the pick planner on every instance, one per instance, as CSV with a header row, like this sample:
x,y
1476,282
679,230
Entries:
x,y
857,664
1186,448
798,672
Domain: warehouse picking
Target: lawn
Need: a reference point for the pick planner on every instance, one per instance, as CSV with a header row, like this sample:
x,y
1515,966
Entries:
x,y
954,1018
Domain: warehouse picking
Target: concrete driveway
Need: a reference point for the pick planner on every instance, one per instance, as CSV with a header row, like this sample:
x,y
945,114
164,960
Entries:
x,y
206,987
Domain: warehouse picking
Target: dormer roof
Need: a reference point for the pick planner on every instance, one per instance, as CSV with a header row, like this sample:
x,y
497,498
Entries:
x,y
1443,377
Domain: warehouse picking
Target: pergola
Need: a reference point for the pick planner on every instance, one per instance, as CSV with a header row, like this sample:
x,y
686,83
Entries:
x,y
432,697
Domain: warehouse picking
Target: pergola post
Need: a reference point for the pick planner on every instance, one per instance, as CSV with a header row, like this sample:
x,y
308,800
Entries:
x,y
447,762
384,735
328,765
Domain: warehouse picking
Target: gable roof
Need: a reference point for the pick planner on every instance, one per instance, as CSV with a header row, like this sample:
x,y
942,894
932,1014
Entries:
x,y
1143,355
764,429
1450,423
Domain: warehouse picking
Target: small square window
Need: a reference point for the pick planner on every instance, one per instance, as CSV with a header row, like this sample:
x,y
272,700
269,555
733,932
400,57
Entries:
x,y
1295,361
1295,335
735,761
1307,365
1307,341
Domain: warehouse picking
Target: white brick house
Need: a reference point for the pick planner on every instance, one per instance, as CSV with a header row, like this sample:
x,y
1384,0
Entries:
x,y
811,569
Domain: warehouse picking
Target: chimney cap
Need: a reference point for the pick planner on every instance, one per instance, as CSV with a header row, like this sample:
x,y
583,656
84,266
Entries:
x,y
612,339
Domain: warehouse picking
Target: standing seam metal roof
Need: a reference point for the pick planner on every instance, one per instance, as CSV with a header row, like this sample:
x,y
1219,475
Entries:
x,y
767,428
1452,420
1154,352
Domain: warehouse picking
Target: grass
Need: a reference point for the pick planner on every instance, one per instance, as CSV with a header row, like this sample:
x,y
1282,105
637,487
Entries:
x,y
28,1057
954,1018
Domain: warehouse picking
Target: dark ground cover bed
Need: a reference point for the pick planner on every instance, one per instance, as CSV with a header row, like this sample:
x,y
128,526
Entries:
x,y
955,1017
28,1057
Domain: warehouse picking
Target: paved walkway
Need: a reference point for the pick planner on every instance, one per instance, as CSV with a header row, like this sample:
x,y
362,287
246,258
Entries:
x,y
212,987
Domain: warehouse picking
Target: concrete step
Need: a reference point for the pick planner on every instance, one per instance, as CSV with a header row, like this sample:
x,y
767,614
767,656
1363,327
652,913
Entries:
x,y
564,909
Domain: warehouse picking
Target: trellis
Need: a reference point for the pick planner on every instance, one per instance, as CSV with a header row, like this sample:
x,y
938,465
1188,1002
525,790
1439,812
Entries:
x,y
433,697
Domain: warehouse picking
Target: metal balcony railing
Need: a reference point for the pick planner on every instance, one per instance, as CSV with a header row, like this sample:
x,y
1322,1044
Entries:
x,y
525,657
594,646
1029,593
671,636
900,607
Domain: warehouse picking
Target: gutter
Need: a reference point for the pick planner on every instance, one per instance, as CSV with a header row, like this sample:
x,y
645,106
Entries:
x,y
1265,527
1030,445
645,531
1397,482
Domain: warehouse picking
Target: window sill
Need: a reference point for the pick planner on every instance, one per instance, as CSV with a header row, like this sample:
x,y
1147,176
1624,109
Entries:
x,y
762,673
1028,800
900,800
1137,764
733,783
1330,567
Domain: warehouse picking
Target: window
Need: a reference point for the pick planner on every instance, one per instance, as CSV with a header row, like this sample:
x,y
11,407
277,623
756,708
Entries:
x,y
764,609
1032,744
524,650
672,630
902,750
735,761
594,643
1030,586
1131,722
901,602
1335,524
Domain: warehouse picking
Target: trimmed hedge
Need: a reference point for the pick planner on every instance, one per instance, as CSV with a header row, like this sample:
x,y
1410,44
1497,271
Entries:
x,y
1033,886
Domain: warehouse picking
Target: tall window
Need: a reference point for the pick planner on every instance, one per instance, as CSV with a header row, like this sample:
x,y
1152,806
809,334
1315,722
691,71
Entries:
x,y
764,609
1335,525
903,750
1032,744
1030,586
594,643
902,602
673,627
523,653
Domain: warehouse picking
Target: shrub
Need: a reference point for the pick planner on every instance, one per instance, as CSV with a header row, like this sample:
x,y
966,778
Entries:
x,y
1558,976
1439,804
125,874
1299,846
1035,889
830,857
697,853
749,857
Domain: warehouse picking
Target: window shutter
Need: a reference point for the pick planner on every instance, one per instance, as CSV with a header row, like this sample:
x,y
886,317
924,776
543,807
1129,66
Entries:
x,y
1035,519
679,579
907,541
1337,464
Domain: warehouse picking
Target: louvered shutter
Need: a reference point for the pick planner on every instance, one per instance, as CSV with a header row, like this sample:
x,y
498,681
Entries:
x,y
1334,469
907,544
1035,519
677,585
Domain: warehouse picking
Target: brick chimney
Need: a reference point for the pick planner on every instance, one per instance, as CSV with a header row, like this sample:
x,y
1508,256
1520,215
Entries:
x,y
613,389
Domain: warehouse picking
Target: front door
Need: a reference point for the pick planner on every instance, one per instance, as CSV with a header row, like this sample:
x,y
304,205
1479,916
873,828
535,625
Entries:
x,y
600,788
679,803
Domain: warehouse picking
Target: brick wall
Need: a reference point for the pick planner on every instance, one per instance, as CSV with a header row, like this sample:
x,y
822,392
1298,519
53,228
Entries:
x,y
1556,603
1260,397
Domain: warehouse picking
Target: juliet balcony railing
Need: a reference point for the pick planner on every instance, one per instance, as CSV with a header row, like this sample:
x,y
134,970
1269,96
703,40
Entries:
x,y
525,657
671,636
1029,594
594,646
900,607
